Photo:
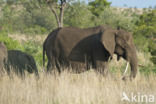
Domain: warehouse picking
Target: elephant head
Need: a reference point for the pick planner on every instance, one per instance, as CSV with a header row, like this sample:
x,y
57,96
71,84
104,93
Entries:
x,y
121,43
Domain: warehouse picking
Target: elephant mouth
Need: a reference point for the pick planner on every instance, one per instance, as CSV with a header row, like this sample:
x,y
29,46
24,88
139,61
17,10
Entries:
x,y
118,57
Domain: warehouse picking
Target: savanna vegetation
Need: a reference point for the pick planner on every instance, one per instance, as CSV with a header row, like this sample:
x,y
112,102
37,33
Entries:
x,y
24,24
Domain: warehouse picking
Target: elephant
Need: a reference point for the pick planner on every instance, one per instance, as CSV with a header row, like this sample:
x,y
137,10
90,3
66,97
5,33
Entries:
x,y
19,62
94,46
3,56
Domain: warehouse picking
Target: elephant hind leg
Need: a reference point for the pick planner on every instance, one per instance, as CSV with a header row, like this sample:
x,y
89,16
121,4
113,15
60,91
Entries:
x,y
49,66
57,65
53,65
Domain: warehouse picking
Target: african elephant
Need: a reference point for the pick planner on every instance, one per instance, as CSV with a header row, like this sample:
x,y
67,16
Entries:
x,y
19,62
3,56
71,46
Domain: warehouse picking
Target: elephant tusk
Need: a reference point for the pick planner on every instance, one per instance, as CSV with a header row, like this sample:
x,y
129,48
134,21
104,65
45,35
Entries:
x,y
126,69
110,58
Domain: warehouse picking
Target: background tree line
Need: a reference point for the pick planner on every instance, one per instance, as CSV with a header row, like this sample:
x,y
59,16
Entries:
x,y
37,17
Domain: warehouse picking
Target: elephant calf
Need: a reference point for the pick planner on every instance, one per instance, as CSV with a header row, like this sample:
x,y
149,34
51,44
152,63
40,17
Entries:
x,y
20,62
3,56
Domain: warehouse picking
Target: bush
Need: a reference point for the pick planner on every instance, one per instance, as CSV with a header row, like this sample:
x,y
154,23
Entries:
x,y
142,43
9,42
35,30
34,49
152,47
78,17
147,70
30,47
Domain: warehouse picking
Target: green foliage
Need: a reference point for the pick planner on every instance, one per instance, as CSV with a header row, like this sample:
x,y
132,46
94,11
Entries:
x,y
78,17
9,42
30,47
142,43
34,49
35,30
26,18
34,17
152,48
98,6
146,29
147,24
153,59
147,70
114,18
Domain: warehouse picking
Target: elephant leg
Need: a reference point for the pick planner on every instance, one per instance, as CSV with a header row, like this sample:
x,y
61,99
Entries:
x,y
102,67
1,71
1,68
36,73
78,67
49,66
53,64
33,69
57,63
22,73
7,68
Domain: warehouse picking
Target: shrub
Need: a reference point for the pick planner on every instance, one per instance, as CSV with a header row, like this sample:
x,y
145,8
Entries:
x,y
147,70
9,42
152,47
35,30
34,49
142,43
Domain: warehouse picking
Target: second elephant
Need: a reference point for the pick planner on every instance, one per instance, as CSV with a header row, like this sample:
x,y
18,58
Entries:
x,y
19,62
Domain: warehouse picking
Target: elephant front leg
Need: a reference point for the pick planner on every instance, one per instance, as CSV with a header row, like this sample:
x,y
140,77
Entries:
x,y
102,67
49,66
1,68
78,67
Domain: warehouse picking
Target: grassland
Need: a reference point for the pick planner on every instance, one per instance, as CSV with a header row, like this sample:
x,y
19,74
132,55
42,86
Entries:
x,y
68,88
85,88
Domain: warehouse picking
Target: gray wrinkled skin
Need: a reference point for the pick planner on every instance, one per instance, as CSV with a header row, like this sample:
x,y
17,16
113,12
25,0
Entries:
x,y
80,48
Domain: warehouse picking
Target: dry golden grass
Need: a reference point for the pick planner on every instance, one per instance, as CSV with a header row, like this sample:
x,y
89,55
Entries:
x,y
67,88
24,38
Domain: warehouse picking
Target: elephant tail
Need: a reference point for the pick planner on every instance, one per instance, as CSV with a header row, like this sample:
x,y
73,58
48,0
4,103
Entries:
x,y
43,58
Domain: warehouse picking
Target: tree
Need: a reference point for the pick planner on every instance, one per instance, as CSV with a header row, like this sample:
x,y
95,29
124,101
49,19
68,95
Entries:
x,y
78,17
146,28
97,6
147,24
54,6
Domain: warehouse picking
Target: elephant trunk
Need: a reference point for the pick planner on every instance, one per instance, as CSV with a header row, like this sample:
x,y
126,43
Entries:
x,y
132,58
133,64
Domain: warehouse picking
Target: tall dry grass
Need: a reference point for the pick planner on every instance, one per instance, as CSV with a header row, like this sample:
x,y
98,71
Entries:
x,y
68,88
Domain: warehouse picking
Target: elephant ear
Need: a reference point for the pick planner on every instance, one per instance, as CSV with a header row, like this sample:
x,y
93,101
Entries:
x,y
108,40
